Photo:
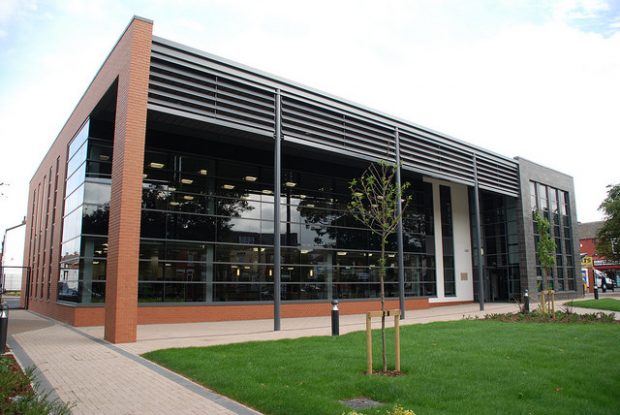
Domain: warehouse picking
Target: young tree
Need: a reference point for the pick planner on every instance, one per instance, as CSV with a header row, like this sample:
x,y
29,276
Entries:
x,y
545,248
374,202
608,236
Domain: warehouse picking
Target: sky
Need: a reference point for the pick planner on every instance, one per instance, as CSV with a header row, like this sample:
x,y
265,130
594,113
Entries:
x,y
538,79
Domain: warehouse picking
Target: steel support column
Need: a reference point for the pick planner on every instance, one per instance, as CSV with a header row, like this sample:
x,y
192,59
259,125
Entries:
x,y
399,233
276,212
478,236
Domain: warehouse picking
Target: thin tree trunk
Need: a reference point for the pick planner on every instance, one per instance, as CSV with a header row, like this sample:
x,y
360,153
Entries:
x,y
382,279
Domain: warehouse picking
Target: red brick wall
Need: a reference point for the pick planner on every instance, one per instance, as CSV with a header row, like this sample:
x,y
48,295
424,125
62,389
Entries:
x,y
128,62
121,306
94,316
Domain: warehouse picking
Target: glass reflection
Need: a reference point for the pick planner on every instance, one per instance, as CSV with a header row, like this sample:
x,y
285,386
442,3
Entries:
x,y
218,215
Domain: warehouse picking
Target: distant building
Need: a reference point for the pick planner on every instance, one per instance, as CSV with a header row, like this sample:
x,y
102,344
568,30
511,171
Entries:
x,y
11,258
157,202
590,258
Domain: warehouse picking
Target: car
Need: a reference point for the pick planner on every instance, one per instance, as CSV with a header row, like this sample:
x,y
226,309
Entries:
x,y
610,283
605,283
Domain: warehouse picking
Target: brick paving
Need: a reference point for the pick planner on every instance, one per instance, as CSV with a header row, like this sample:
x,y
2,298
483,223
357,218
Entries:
x,y
100,378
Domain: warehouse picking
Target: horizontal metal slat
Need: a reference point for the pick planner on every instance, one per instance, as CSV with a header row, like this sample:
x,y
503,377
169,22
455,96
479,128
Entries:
x,y
216,109
217,91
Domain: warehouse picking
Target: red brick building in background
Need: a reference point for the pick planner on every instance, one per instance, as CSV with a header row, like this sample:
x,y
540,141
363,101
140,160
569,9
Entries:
x,y
157,201
590,260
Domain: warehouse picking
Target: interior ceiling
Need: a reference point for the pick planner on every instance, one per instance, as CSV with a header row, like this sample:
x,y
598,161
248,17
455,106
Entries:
x,y
293,152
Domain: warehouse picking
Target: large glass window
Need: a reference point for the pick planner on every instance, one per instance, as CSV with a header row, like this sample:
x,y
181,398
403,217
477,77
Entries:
x,y
87,189
500,245
448,241
558,211
213,218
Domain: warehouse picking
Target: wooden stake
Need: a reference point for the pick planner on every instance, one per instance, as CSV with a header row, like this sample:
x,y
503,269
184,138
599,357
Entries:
x,y
369,344
397,340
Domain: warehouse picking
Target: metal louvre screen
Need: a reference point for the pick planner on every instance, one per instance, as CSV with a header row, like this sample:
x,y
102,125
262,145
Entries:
x,y
433,156
189,83
498,176
335,128
180,83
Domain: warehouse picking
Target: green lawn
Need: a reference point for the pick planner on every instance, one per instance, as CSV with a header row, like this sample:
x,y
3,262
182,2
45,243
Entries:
x,y
602,304
462,367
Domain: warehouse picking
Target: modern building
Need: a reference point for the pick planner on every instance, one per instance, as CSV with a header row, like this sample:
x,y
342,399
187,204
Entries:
x,y
591,261
157,202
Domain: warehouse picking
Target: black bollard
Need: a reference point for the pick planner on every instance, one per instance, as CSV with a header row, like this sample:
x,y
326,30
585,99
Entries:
x,y
335,319
4,325
526,301
595,292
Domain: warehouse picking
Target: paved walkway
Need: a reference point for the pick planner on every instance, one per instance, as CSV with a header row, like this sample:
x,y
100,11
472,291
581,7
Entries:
x,y
78,366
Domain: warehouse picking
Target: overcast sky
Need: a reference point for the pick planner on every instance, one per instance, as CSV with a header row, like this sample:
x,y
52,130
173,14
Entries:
x,y
538,79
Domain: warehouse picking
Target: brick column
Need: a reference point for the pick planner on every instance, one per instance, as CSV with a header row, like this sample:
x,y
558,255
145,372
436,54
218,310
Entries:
x,y
121,302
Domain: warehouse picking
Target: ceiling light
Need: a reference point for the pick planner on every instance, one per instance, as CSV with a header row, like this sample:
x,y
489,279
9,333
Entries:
x,y
305,251
311,273
95,262
246,267
302,196
104,157
290,268
188,197
144,176
267,191
238,272
173,203
187,181
290,184
310,205
270,272
255,249
228,186
99,252
203,172
341,253
168,264
391,255
171,188
156,165
250,178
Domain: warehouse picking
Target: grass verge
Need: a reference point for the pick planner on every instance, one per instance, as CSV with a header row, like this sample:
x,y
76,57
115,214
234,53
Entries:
x,y
462,367
610,304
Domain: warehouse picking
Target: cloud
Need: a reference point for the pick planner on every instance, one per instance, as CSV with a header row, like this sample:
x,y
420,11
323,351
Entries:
x,y
519,79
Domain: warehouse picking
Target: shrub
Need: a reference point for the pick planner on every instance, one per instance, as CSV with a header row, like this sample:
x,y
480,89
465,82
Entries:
x,y
18,397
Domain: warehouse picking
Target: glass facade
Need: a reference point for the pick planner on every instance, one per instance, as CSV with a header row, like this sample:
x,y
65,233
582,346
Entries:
x,y
207,228
85,220
207,233
447,235
554,205
500,239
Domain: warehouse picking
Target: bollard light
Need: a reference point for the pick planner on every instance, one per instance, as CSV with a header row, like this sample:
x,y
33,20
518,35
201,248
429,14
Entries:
x,y
4,325
335,319
526,301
